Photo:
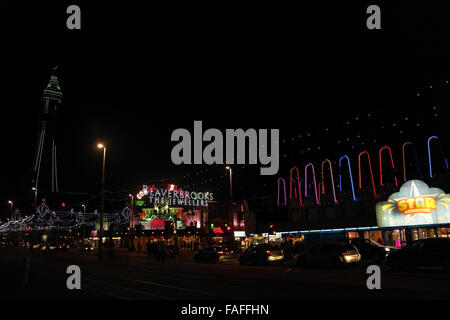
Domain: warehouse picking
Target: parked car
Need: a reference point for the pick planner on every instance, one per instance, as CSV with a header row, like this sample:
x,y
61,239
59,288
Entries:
x,y
371,250
64,247
48,248
206,254
262,254
432,252
227,254
86,248
328,254
37,245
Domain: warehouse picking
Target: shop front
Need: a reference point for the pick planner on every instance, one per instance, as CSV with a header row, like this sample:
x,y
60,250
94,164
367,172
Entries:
x,y
415,212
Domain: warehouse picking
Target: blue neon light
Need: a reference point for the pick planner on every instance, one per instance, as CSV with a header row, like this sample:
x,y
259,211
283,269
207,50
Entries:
x,y
429,155
351,176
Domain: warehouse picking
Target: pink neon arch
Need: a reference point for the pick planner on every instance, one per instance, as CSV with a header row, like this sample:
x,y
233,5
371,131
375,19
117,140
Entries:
x,y
299,192
381,166
371,172
314,180
278,191
332,179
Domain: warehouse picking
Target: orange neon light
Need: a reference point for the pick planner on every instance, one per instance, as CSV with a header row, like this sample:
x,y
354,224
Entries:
x,y
392,164
297,191
371,172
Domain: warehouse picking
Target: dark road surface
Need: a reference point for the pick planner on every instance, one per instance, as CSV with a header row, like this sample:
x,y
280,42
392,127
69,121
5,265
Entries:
x,y
144,280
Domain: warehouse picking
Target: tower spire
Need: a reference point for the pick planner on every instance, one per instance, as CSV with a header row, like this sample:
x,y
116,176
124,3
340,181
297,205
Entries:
x,y
44,163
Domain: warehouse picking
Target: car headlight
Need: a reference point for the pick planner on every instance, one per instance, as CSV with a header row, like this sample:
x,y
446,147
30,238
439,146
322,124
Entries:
x,y
387,249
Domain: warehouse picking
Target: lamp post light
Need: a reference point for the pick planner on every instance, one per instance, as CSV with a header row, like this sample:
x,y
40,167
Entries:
x,y
35,195
102,205
231,183
11,203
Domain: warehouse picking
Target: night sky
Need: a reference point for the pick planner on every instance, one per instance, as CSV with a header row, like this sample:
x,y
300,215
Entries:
x,y
132,75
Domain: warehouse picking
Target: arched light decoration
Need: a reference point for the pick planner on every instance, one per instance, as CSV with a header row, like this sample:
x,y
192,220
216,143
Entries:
x,y
429,156
298,191
314,180
392,164
332,179
371,172
278,191
350,174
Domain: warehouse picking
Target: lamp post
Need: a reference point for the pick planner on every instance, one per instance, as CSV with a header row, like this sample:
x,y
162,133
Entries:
x,y
11,203
35,196
132,208
231,183
102,205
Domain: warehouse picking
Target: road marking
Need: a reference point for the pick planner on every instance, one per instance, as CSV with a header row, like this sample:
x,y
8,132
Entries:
x,y
107,293
180,288
177,274
129,289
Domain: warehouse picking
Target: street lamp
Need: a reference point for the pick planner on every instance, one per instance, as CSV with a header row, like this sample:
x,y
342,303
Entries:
x,y
231,183
11,203
35,195
102,206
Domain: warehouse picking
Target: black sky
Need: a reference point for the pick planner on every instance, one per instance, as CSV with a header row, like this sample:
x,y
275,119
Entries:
x,y
133,74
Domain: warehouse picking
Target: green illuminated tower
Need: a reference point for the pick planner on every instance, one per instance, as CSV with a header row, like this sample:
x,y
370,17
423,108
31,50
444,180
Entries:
x,y
45,170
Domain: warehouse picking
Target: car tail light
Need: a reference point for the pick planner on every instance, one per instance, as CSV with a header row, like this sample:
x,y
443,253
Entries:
x,y
232,251
344,253
268,252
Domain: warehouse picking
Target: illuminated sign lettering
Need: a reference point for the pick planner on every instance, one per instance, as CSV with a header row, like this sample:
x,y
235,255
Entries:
x,y
416,205
217,230
174,196
158,224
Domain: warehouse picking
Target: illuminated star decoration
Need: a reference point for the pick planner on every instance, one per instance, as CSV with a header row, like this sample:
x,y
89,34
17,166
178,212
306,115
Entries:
x,y
388,213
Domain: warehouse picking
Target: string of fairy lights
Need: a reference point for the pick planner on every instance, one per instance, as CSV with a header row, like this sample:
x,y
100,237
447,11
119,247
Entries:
x,y
45,219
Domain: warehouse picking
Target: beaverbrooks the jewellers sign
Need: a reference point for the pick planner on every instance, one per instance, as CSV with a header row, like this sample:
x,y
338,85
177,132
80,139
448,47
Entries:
x,y
173,196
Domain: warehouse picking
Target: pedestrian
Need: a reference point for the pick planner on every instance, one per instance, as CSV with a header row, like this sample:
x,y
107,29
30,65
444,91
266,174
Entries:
x,y
149,249
163,252
287,250
158,252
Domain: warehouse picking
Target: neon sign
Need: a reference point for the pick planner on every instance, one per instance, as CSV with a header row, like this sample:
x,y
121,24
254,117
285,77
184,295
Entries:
x,y
414,204
217,230
158,224
174,196
417,205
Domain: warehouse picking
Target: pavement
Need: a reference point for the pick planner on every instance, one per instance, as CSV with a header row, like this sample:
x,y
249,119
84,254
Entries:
x,y
130,276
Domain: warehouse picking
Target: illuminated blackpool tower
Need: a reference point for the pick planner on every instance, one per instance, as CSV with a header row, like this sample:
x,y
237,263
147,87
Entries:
x,y
45,169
